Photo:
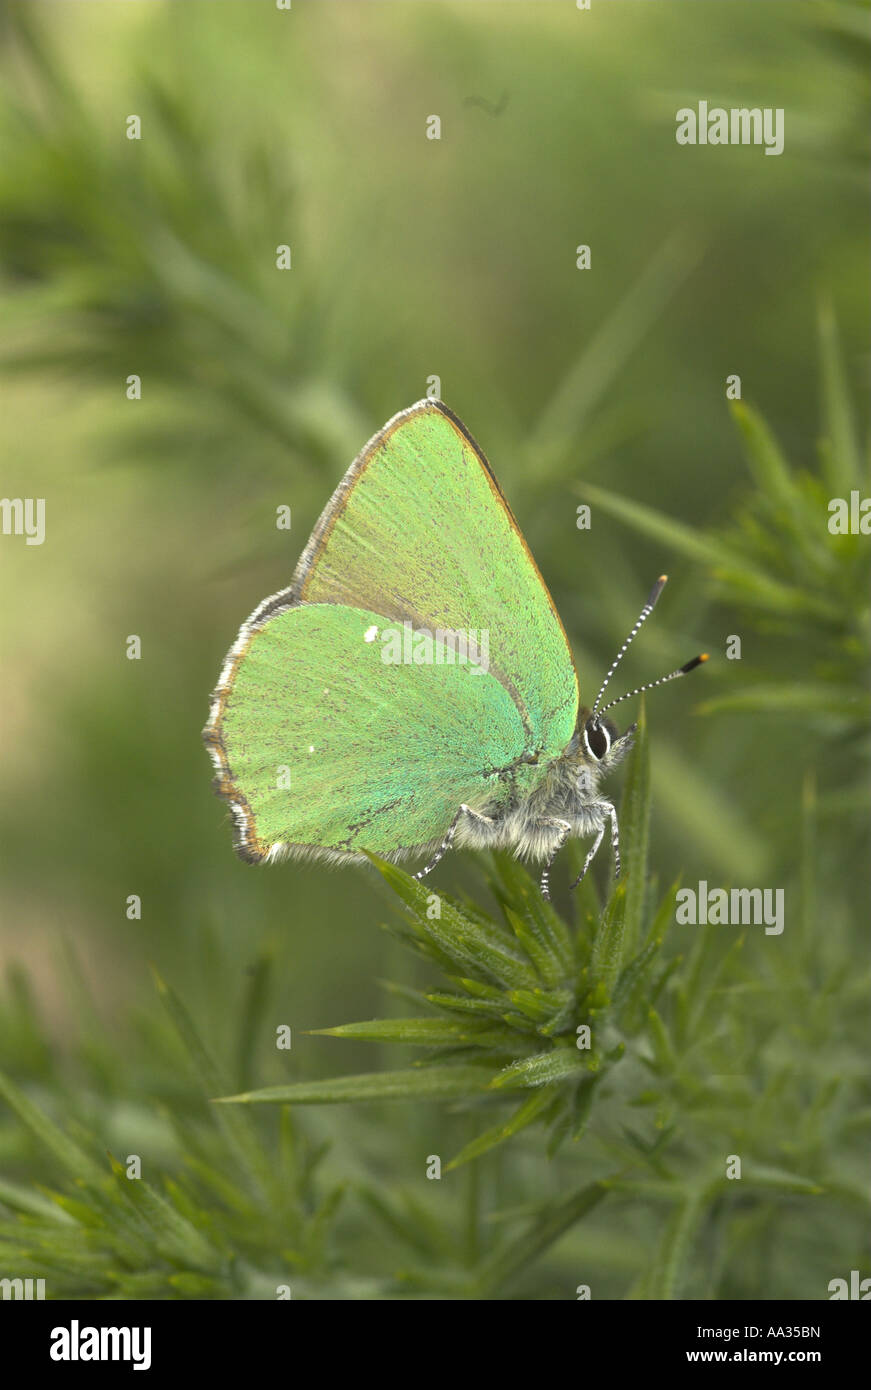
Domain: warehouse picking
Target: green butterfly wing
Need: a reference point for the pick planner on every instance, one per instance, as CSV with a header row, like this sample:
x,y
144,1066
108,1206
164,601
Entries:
x,y
377,758
321,745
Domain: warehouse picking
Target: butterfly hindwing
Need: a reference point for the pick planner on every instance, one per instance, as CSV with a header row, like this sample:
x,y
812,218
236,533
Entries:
x,y
333,749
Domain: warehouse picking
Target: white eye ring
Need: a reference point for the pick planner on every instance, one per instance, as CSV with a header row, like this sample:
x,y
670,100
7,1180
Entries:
x,y
607,737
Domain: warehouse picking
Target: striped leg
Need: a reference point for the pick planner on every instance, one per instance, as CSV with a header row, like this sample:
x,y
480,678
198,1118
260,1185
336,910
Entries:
x,y
449,839
591,856
607,809
565,830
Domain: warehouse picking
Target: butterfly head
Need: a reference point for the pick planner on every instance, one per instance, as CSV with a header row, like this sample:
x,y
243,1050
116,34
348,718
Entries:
x,y
599,743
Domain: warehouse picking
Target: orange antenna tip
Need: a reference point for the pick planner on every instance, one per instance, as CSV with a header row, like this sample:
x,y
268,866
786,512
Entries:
x,y
691,665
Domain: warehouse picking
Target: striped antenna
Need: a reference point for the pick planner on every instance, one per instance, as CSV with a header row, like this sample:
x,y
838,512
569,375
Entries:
x,y
642,618
681,671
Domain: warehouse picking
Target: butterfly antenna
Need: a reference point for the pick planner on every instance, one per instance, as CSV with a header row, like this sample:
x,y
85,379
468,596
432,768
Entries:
x,y
673,676
642,618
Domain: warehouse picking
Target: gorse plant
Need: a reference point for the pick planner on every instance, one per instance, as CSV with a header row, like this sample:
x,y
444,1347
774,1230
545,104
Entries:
x,y
776,562
531,1009
245,1215
153,261
601,1031
662,1122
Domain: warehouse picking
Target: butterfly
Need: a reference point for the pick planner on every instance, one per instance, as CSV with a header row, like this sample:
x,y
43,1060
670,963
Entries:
x,y
413,688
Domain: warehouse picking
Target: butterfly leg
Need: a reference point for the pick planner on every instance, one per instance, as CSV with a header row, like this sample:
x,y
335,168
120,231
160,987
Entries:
x,y
606,808
449,838
565,829
590,857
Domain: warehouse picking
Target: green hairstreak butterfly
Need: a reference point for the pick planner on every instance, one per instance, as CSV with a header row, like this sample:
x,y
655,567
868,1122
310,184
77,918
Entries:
x,y
413,688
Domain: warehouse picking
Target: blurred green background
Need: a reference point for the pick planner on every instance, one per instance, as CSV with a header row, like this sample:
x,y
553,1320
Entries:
x,y
411,258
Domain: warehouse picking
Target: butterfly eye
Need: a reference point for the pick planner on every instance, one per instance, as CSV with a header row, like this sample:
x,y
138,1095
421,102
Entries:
x,y
596,738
